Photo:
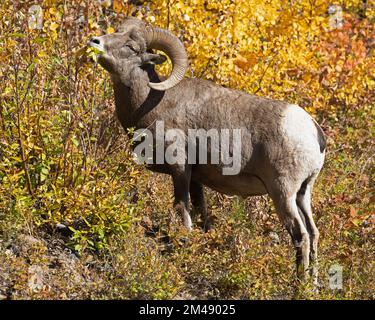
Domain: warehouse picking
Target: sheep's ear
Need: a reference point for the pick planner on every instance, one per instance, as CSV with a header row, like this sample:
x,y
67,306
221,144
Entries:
x,y
152,58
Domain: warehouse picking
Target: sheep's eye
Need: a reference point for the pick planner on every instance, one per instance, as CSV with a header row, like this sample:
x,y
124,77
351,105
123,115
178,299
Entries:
x,y
130,46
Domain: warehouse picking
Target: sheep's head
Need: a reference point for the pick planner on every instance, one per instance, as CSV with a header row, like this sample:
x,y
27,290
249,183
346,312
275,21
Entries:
x,y
130,47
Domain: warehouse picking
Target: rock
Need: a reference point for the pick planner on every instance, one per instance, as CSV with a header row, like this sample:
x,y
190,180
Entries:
x,y
36,278
29,240
61,226
9,253
63,230
274,237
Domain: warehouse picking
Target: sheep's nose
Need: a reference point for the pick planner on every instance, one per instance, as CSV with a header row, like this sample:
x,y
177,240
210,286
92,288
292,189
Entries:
x,y
97,43
95,40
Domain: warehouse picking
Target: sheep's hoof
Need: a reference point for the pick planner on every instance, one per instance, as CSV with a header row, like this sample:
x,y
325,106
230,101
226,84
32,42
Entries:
x,y
208,224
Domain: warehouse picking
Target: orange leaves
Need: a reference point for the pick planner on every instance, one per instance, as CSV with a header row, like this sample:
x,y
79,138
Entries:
x,y
359,48
246,61
357,218
119,6
306,77
345,62
283,23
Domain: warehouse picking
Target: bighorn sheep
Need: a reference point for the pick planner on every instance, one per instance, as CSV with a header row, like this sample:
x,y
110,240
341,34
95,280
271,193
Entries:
x,y
283,148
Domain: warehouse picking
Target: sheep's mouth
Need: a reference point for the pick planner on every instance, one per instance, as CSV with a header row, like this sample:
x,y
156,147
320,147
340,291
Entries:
x,y
97,46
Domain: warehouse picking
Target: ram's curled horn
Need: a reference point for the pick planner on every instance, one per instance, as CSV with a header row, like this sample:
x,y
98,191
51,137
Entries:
x,y
165,41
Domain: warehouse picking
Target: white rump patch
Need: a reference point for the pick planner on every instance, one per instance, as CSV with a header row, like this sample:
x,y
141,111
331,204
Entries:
x,y
300,130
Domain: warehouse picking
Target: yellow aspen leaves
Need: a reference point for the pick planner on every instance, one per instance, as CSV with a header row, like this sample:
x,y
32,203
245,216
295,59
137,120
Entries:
x,y
53,26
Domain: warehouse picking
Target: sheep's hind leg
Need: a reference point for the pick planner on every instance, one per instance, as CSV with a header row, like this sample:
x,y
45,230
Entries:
x,y
288,212
304,205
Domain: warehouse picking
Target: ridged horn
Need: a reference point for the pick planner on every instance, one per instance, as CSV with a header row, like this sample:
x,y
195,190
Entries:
x,y
161,39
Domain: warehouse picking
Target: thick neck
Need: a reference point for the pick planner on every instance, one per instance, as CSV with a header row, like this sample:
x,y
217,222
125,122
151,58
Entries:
x,y
134,98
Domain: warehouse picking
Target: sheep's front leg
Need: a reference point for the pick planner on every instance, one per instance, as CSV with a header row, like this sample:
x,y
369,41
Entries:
x,y
181,183
199,203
